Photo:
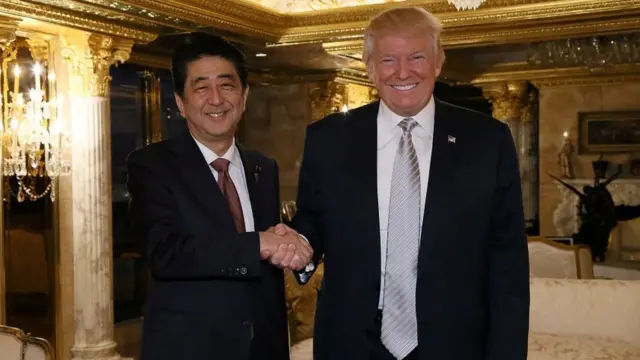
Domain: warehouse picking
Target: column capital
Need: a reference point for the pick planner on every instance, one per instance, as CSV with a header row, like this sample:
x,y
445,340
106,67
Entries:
x,y
107,51
39,49
90,57
507,99
326,97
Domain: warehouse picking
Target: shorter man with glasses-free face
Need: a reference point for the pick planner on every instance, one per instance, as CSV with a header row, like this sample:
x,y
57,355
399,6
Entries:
x,y
203,208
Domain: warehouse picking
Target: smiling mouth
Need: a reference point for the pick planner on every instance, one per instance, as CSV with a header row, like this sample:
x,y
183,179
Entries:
x,y
216,114
404,87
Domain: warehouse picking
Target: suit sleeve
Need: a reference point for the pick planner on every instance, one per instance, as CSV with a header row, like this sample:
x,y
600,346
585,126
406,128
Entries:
x,y
174,251
509,261
308,218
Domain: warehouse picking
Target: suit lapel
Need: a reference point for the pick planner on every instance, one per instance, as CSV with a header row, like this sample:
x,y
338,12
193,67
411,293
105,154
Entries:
x,y
197,175
252,173
440,173
363,167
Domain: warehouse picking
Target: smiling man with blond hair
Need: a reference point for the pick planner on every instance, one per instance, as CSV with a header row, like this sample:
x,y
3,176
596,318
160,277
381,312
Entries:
x,y
417,208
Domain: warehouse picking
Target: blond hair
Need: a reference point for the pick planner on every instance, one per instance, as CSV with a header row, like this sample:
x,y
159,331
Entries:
x,y
404,21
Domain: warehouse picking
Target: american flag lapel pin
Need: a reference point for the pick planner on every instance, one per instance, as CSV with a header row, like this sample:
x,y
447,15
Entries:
x,y
256,173
451,139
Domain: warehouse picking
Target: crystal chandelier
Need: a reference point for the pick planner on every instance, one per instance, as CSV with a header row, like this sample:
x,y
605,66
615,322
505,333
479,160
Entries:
x,y
466,4
595,53
34,144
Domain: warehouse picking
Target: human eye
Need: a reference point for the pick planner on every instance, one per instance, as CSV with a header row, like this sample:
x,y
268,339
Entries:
x,y
199,87
387,60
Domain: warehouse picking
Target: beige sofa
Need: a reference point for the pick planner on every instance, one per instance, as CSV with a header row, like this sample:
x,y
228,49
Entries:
x,y
584,319
572,319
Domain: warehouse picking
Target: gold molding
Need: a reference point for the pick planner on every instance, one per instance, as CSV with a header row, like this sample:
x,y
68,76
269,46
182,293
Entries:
x,y
155,61
285,78
235,16
486,25
73,19
588,80
495,22
353,77
8,27
519,71
339,30
105,10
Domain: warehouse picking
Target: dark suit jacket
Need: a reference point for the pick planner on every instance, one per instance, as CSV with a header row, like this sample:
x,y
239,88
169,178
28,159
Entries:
x,y
473,278
212,297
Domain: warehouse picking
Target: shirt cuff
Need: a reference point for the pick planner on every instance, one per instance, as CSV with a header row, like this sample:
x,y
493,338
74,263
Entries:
x,y
311,266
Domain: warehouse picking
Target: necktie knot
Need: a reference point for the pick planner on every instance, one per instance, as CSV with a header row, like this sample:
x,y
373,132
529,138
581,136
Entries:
x,y
220,164
407,125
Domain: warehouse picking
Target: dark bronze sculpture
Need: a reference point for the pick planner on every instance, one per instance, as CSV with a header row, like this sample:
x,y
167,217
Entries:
x,y
598,214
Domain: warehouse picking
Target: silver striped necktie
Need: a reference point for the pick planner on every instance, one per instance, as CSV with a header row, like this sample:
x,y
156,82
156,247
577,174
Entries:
x,y
399,332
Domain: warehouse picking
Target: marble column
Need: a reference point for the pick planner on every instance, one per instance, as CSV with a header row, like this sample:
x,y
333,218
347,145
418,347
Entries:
x,y
7,35
511,104
529,158
88,58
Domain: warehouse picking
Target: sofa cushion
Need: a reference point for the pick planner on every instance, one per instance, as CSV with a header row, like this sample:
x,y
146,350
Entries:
x,y
579,347
541,347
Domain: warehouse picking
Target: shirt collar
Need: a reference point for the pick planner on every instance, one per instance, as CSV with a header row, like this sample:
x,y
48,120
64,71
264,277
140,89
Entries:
x,y
232,154
388,122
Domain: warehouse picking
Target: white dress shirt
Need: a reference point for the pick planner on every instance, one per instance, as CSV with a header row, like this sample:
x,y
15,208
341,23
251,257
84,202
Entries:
x,y
389,134
236,171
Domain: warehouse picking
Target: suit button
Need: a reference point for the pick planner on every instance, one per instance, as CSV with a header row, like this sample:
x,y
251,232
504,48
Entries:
x,y
243,270
376,287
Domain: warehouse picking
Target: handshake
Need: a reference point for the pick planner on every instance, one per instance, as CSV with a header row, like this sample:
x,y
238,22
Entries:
x,y
285,248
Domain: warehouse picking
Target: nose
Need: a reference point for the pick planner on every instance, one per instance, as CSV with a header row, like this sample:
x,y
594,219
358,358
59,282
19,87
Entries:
x,y
403,69
215,98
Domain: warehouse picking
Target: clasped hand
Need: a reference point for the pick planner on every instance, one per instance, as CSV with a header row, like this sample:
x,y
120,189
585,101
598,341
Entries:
x,y
285,248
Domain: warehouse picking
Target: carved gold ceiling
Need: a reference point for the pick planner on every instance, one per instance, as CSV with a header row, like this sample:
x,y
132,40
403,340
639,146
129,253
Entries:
x,y
298,6
317,35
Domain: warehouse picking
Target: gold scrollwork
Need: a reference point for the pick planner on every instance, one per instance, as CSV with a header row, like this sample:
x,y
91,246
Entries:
x,y
507,99
326,97
106,51
92,59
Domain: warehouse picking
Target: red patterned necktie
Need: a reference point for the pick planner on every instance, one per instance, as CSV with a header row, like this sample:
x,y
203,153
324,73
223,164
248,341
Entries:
x,y
229,191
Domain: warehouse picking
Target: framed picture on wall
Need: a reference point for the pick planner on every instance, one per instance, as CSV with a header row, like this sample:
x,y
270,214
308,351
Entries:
x,y
609,132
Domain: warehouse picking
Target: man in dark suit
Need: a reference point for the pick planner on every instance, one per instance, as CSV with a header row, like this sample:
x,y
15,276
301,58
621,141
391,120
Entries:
x,y
202,206
417,208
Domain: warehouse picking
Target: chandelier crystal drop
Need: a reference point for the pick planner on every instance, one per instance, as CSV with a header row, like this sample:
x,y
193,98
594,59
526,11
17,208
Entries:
x,y
34,144
466,4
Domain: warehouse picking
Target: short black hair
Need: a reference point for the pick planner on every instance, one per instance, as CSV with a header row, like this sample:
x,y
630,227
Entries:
x,y
197,45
